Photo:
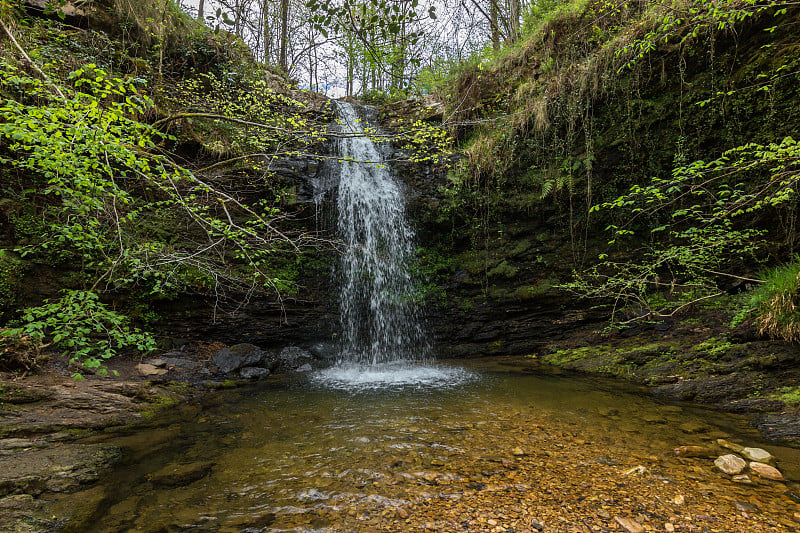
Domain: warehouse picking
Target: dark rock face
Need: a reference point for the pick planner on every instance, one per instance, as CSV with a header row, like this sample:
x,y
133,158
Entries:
x,y
237,356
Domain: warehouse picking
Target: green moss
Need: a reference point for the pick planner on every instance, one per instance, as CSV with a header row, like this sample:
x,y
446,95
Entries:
x,y
11,273
504,269
528,292
158,404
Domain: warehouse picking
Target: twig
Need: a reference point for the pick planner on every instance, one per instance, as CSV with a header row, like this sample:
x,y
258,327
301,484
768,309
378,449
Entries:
x,y
30,61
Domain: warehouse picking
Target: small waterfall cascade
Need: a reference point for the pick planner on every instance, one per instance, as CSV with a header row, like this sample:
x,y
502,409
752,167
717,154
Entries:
x,y
380,322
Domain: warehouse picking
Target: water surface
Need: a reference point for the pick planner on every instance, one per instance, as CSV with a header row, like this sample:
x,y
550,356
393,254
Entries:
x,y
465,449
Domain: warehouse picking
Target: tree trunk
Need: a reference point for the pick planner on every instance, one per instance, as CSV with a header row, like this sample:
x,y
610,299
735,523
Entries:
x,y
267,31
200,14
513,8
494,24
284,34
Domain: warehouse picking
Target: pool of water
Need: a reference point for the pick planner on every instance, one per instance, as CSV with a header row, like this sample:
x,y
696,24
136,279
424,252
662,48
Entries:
x,y
476,446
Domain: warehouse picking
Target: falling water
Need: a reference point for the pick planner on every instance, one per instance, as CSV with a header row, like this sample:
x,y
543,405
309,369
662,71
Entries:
x,y
379,319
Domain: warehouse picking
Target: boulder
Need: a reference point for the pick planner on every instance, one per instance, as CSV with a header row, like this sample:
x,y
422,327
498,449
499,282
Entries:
x,y
237,356
730,464
293,358
254,372
766,471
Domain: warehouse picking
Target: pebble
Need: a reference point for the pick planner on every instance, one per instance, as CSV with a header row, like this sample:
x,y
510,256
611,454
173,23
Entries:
x,y
743,479
766,471
679,499
730,464
518,451
669,528
630,525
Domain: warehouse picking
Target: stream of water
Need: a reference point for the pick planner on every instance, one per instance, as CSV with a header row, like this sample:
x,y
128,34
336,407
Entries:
x,y
510,445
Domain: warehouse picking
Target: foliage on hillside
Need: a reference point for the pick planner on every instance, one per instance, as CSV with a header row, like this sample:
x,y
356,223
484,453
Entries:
x,y
668,124
103,178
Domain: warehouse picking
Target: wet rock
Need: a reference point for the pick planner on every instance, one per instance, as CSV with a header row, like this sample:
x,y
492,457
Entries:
x,y
752,405
629,524
680,499
305,368
779,426
56,469
150,370
743,479
712,389
693,451
535,524
730,445
237,356
730,464
160,363
757,454
518,452
325,351
293,358
766,471
254,372
181,474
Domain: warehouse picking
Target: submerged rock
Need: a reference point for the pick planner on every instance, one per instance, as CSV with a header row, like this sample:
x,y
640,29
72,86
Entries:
x,y
766,471
730,464
730,445
693,451
237,356
757,454
175,475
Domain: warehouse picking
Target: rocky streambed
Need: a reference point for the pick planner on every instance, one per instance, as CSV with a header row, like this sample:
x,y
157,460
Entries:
x,y
504,448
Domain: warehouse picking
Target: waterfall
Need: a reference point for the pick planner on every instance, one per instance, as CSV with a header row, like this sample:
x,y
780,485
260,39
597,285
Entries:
x,y
379,318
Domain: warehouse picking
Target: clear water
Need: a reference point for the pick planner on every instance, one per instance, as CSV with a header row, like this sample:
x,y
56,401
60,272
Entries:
x,y
493,441
379,318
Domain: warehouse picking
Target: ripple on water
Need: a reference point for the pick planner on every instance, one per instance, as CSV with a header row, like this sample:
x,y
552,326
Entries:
x,y
398,374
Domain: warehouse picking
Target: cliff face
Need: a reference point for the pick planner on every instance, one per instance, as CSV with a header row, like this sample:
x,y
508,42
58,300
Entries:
x,y
560,124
